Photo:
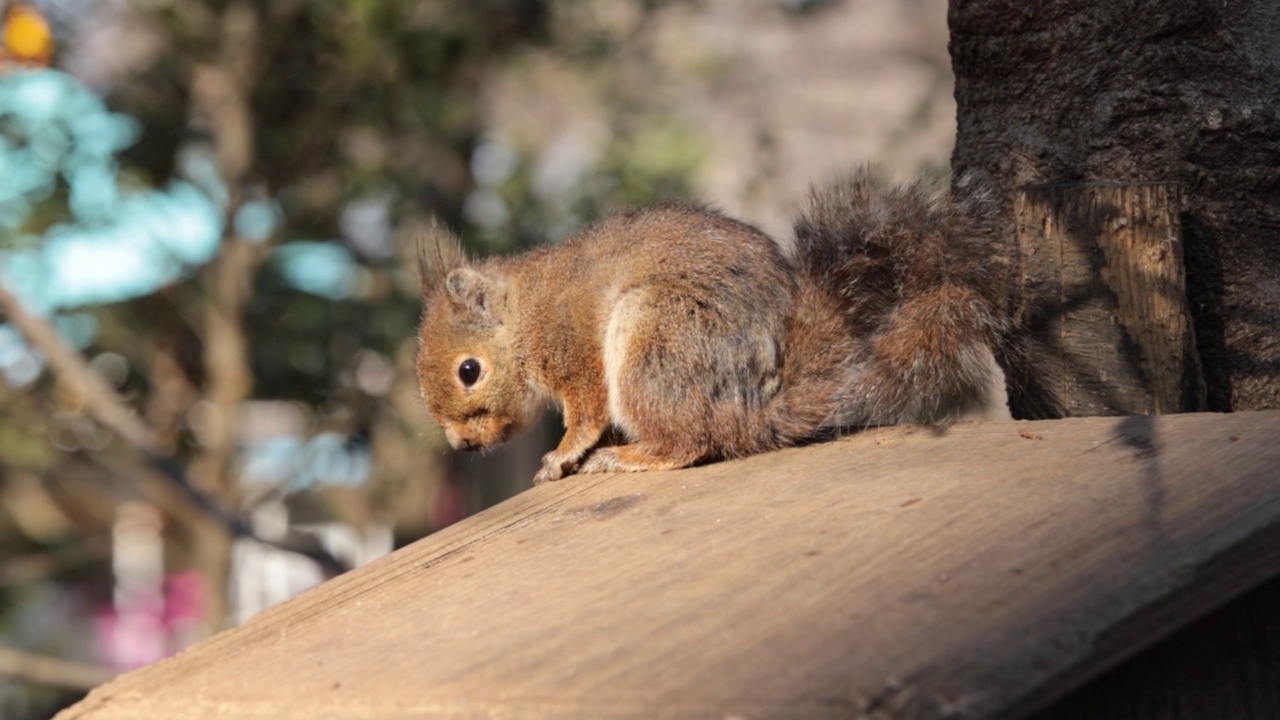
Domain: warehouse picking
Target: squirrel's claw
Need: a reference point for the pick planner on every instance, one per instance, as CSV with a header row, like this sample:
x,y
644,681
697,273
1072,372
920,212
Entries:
x,y
548,473
555,465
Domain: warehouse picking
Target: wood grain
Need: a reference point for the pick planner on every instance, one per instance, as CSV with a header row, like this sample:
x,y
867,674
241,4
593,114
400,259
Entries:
x,y
1104,295
975,572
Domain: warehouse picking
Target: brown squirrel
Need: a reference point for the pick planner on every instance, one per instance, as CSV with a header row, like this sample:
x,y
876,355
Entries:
x,y
689,336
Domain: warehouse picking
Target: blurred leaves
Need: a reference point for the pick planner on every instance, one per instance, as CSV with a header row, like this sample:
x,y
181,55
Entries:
x,y
364,118
222,232
75,231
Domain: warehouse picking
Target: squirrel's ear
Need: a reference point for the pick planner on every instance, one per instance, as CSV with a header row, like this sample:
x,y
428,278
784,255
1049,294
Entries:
x,y
439,254
475,293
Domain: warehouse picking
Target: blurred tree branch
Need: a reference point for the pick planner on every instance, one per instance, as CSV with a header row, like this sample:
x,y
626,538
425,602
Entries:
x,y
23,569
221,93
171,490
46,670
71,367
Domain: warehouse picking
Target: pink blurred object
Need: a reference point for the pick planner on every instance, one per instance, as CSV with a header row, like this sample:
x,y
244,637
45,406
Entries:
x,y
152,626
449,504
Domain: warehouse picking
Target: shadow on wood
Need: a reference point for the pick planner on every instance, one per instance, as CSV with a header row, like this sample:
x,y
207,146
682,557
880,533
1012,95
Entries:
x,y
980,571
1104,301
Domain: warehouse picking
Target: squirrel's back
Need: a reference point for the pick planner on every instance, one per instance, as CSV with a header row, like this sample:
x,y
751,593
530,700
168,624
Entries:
x,y
695,329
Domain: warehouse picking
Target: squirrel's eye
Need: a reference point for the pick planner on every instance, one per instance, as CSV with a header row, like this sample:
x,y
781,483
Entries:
x,y
469,371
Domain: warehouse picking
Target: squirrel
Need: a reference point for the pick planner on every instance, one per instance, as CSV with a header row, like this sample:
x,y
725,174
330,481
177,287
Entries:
x,y
676,335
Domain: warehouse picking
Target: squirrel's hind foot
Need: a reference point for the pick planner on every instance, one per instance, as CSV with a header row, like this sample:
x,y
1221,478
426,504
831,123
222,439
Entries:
x,y
637,457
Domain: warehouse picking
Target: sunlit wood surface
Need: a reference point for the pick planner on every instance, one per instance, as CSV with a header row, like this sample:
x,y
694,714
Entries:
x,y
976,572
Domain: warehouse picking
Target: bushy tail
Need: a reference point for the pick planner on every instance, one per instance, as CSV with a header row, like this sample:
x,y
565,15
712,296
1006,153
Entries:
x,y
920,278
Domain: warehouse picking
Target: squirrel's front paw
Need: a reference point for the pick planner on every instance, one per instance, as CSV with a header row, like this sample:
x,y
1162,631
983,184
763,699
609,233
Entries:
x,y
547,473
554,466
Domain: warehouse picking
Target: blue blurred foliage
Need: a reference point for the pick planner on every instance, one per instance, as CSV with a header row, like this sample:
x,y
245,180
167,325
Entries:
x,y
256,220
72,232
296,464
327,269
75,232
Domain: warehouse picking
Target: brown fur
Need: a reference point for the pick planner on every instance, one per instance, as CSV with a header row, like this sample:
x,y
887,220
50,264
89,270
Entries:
x,y
694,337
923,280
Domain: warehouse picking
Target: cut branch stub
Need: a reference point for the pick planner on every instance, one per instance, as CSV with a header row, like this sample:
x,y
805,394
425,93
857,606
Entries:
x,y
1104,302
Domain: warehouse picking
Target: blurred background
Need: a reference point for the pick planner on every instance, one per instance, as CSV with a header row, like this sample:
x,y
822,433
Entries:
x,y
208,211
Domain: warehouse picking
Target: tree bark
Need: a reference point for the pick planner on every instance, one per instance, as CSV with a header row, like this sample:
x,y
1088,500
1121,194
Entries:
x,y
1079,91
1104,302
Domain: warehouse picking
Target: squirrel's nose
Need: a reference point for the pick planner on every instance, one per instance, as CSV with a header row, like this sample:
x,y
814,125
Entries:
x,y
458,441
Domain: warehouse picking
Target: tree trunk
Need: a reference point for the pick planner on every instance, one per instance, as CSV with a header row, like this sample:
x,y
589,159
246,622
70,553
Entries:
x,y
1080,91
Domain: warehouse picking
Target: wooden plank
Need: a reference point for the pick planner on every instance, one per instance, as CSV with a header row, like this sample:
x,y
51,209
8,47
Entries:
x,y
975,572
1104,296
